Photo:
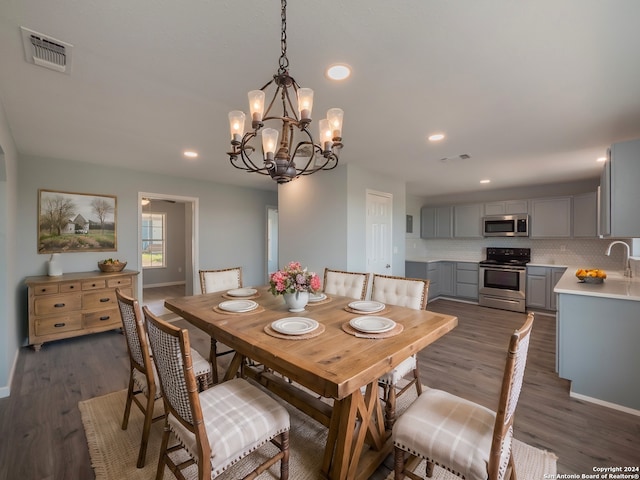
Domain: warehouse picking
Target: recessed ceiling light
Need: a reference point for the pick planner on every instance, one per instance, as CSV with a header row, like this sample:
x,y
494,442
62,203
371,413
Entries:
x,y
436,136
486,180
339,71
602,159
190,154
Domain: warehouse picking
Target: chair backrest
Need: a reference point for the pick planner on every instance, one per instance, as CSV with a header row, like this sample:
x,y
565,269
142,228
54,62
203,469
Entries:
x,y
345,284
509,395
219,280
401,291
135,333
172,357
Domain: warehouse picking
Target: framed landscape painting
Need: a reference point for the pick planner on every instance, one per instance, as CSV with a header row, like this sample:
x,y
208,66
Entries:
x,y
76,222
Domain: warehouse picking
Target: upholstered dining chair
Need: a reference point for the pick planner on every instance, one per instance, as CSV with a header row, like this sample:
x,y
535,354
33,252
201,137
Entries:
x,y
216,427
218,281
142,377
345,284
467,439
404,292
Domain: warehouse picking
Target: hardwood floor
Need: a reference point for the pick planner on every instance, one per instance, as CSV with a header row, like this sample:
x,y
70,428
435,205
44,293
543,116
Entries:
x,y
42,435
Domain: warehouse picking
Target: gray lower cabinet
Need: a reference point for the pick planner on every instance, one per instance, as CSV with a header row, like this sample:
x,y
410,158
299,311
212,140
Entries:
x,y
467,280
433,274
446,273
540,284
597,347
415,270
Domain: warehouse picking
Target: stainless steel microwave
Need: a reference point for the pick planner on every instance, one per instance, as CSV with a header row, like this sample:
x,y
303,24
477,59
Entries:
x,y
505,226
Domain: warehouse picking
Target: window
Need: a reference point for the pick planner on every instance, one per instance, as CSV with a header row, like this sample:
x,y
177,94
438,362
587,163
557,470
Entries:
x,y
153,240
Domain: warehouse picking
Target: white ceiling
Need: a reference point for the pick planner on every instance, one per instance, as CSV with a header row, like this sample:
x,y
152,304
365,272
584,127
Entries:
x,y
533,90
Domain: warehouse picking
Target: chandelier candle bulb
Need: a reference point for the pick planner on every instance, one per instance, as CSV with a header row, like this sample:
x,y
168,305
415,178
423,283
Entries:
x,y
236,122
305,103
256,105
269,142
335,115
325,135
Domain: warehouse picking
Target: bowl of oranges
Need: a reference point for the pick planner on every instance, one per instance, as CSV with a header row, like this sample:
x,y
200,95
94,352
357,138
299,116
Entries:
x,y
592,275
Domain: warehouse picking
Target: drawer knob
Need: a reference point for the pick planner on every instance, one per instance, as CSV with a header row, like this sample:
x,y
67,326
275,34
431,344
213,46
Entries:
x,y
59,305
58,325
104,300
106,317
71,287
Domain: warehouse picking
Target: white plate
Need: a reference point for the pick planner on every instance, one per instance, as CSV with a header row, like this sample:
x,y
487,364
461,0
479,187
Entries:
x,y
242,292
372,324
294,325
316,297
367,306
238,306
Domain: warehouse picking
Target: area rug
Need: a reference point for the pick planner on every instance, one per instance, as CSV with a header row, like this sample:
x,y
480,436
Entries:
x,y
114,451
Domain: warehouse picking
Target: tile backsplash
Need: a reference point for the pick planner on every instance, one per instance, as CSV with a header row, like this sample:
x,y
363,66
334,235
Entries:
x,y
585,253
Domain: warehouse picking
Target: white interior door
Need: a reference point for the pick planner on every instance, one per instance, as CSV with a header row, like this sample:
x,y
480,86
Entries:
x,y
272,240
379,216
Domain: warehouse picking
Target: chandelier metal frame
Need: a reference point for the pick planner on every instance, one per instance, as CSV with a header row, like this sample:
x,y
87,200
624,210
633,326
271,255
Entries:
x,y
281,164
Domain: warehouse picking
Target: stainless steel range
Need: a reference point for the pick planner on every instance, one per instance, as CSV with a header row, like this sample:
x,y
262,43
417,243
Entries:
x,y
503,278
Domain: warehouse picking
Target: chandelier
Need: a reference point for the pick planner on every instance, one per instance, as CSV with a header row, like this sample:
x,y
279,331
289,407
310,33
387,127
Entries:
x,y
293,142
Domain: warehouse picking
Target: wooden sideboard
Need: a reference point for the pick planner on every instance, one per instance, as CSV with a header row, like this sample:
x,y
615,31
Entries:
x,y
75,304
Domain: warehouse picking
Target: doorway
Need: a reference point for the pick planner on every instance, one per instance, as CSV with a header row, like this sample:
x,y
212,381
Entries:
x,y
379,232
174,246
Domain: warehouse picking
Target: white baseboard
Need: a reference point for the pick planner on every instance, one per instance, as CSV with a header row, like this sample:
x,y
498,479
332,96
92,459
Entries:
x,y
604,403
5,391
166,284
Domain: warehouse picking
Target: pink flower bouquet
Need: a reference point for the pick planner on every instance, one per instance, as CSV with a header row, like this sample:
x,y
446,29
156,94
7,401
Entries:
x,y
293,278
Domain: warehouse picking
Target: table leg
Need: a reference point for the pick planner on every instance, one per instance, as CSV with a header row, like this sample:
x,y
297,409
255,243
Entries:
x,y
355,419
213,360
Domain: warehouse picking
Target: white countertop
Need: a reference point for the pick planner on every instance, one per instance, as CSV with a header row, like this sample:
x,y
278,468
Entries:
x,y
616,285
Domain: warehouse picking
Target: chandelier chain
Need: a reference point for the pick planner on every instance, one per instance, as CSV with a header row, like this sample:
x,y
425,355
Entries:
x,y
284,61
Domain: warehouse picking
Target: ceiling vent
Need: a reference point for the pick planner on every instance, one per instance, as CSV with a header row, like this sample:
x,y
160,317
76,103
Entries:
x,y
463,156
46,51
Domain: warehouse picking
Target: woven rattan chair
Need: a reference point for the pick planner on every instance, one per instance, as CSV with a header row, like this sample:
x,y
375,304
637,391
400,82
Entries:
x,y
345,284
142,377
404,292
467,439
216,427
218,281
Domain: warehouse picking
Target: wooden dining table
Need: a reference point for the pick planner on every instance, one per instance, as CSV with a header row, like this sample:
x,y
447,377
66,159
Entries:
x,y
334,362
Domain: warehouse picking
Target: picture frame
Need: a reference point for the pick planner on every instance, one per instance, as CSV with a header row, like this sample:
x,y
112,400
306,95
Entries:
x,y
76,222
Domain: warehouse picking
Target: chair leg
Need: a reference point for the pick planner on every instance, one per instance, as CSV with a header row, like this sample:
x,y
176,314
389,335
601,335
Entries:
x,y
398,464
390,407
146,429
213,355
163,451
512,467
416,375
127,406
284,462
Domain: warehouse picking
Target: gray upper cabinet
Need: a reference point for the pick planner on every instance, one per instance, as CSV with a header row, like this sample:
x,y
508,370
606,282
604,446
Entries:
x,y
436,222
467,221
620,191
506,207
585,215
550,217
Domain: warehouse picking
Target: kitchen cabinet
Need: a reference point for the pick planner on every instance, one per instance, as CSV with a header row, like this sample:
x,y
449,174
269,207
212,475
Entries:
x,y
467,280
436,222
585,215
467,221
74,304
446,276
506,207
540,284
619,191
550,217
433,275
415,270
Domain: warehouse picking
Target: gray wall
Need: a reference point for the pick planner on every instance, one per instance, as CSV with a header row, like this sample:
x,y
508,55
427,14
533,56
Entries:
x,y
9,336
323,219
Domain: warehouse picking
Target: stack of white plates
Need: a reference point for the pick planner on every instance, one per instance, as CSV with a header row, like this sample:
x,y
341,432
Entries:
x,y
372,324
294,325
367,306
242,292
238,306
316,297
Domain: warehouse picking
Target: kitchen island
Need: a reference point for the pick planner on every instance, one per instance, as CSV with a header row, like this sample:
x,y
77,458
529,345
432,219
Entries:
x,y
598,329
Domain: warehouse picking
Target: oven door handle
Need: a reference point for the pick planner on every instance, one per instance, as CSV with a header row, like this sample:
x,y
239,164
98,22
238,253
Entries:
x,y
507,269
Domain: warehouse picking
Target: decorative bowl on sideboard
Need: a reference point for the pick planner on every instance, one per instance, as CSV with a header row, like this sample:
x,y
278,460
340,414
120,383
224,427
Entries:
x,y
111,266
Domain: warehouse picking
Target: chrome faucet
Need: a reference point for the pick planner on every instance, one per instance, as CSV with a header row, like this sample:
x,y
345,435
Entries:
x,y
627,265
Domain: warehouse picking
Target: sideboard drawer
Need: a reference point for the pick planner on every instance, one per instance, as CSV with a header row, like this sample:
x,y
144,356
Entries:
x,y
119,282
58,324
57,304
93,284
101,299
45,289
70,287
102,318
